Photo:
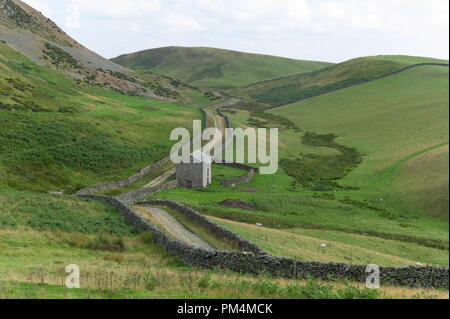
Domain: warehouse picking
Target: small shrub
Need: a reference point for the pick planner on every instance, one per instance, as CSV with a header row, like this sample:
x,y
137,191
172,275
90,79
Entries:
x,y
204,281
266,288
102,242
146,237
116,258
319,172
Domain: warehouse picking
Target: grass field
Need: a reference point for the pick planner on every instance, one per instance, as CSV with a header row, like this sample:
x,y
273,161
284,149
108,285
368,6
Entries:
x,y
297,86
341,247
393,122
57,134
214,68
119,263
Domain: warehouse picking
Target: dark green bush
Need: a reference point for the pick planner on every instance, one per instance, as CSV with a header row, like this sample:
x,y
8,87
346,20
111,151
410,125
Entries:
x,y
102,242
313,170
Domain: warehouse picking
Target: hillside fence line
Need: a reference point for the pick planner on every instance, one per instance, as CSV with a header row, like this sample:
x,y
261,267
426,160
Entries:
x,y
343,86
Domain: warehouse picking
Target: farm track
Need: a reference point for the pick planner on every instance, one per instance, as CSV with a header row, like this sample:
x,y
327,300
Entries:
x,y
161,178
175,228
207,148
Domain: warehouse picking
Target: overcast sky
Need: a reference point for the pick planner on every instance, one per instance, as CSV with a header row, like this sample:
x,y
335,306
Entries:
x,y
323,30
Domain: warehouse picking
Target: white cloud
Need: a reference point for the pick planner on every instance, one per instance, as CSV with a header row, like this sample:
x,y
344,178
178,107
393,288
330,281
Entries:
x,y
73,16
298,10
182,23
315,29
119,8
394,16
41,6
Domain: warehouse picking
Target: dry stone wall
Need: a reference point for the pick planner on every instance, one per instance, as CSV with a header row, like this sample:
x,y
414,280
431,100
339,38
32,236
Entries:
x,y
201,220
256,262
238,180
130,180
251,170
231,182
139,194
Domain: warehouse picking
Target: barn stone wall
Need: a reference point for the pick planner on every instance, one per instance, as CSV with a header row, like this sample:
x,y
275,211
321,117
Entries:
x,y
194,172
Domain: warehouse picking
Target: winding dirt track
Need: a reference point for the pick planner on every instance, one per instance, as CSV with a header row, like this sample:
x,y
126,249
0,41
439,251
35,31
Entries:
x,y
161,178
207,148
176,229
163,218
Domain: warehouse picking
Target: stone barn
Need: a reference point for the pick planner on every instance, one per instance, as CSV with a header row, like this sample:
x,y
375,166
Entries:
x,y
194,171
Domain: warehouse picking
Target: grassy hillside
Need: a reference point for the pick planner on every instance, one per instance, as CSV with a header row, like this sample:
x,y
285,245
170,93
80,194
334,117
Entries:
x,y
32,34
214,68
397,127
58,134
298,86
363,169
17,14
394,123
117,262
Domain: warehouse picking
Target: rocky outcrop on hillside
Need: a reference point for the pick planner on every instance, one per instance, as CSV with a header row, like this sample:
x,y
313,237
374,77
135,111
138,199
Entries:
x,y
42,41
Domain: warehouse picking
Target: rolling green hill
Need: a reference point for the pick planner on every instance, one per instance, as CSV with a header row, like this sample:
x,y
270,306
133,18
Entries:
x,y
69,117
214,68
391,122
59,134
298,86
399,127
363,169
391,203
38,38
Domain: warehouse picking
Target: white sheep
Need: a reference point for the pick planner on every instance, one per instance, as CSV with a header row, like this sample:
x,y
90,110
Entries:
x,y
259,224
322,246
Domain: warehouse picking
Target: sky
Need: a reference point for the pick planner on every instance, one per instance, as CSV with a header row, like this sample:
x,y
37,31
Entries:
x,y
321,30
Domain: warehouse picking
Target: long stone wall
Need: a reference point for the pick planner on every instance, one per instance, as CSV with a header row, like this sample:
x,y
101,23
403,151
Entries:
x,y
205,113
251,170
139,194
119,184
229,182
227,120
255,263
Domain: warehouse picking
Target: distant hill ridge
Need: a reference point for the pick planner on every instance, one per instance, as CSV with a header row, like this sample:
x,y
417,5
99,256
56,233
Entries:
x,y
294,88
215,68
29,32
